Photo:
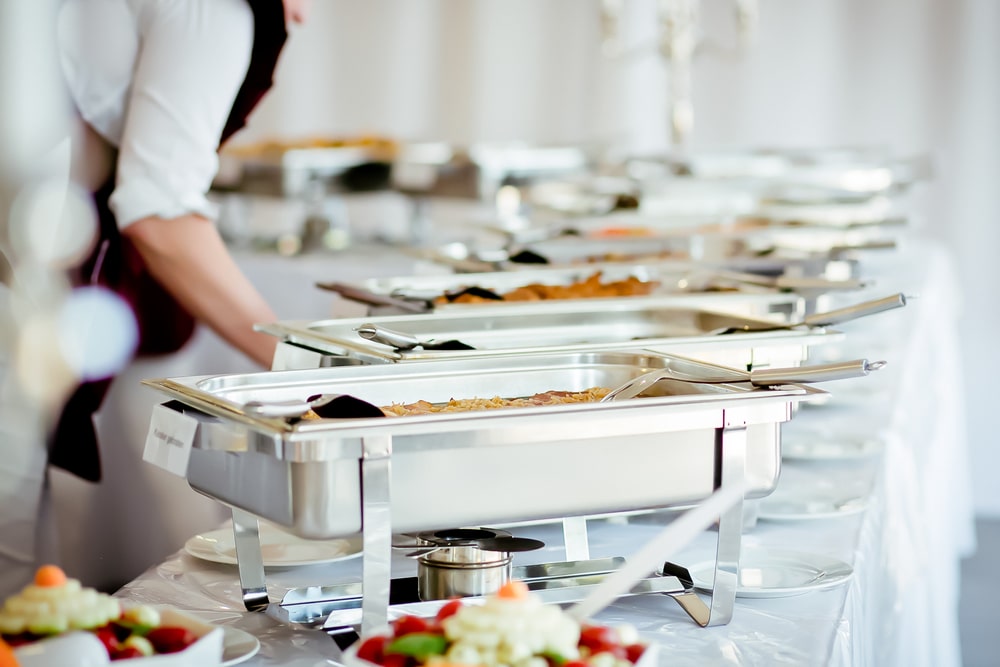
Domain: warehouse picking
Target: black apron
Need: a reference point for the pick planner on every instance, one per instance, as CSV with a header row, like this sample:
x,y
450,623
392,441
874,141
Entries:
x,y
164,325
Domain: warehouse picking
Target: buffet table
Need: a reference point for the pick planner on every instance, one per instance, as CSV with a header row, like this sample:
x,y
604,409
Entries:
x,y
903,534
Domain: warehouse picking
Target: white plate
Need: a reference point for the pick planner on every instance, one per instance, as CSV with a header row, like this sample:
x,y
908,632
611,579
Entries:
x,y
773,573
278,548
237,646
818,491
808,446
791,508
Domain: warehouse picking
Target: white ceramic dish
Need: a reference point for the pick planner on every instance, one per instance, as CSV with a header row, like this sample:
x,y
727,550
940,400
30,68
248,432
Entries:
x,y
817,491
278,548
77,649
806,508
237,646
772,573
815,446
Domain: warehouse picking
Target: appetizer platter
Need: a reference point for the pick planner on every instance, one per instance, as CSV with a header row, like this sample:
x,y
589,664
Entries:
x,y
56,622
511,627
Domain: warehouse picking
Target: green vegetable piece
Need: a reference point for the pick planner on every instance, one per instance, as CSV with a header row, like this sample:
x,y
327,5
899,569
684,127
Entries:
x,y
556,658
419,645
140,629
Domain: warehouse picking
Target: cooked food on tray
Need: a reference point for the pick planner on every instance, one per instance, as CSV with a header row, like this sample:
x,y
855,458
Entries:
x,y
591,395
278,146
590,287
511,628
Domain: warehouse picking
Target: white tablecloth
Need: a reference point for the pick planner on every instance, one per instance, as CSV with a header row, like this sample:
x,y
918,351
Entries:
x,y
900,606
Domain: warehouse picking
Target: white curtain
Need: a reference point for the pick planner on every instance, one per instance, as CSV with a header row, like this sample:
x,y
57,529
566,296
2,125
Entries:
x,y
914,76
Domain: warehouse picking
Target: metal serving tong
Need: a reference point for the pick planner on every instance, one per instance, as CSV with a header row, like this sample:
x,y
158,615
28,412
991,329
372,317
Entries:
x,y
401,340
326,406
765,377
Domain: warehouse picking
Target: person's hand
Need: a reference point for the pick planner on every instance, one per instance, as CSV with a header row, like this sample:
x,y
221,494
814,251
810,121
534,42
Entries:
x,y
296,11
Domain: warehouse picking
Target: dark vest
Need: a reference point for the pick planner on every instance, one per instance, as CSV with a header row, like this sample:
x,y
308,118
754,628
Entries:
x,y
164,325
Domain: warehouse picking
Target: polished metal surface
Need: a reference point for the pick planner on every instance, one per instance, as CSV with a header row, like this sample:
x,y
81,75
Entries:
x,y
376,519
718,242
598,325
767,377
306,472
440,582
246,537
724,324
338,607
418,293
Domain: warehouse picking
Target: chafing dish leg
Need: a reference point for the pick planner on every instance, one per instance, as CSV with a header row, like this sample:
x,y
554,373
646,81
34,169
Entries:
x,y
249,560
732,447
376,517
575,538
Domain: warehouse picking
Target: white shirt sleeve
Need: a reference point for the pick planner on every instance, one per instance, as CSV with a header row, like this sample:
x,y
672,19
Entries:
x,y
157,79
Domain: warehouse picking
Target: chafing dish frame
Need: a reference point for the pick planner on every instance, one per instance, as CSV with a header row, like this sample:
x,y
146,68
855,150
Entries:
x,y
219,429
332,342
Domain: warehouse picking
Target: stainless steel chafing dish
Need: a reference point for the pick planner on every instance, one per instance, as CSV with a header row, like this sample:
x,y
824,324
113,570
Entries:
x,y
513,329
289,169
779,247
479,170
426,293
336,477
729,338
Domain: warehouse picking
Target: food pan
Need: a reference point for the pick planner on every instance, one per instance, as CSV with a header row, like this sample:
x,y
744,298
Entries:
x,y
779,246
473,467
427,293
289,169
512,329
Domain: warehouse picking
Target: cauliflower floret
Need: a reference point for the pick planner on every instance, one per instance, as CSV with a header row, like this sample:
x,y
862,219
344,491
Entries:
x,y
511,631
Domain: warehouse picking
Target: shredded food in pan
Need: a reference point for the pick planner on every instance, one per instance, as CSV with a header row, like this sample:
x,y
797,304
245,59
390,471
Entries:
x,y
591,395
591,287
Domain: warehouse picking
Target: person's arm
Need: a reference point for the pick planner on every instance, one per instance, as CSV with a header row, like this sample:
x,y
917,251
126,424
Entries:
x,y
188,257
296,11
193,57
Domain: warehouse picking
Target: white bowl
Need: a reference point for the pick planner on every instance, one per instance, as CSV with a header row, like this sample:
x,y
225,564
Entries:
x,y
83,649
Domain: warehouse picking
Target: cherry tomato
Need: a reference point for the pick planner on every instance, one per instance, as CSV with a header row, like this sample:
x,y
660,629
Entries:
x,y
448,610
634,651
127,652
405,625
108,637
170,639
395,660
598,638
373,649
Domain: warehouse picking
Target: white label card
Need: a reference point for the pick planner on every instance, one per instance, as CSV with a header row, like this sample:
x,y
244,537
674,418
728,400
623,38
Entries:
x,y
169,441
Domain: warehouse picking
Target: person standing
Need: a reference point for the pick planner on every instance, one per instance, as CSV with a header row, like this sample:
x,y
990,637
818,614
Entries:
x,y
158,86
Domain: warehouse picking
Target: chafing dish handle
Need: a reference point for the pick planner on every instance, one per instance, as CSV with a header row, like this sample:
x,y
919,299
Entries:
x,y
854,312
769,377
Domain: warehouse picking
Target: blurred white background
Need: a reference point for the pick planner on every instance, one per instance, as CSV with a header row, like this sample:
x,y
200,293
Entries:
x,y
913,76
